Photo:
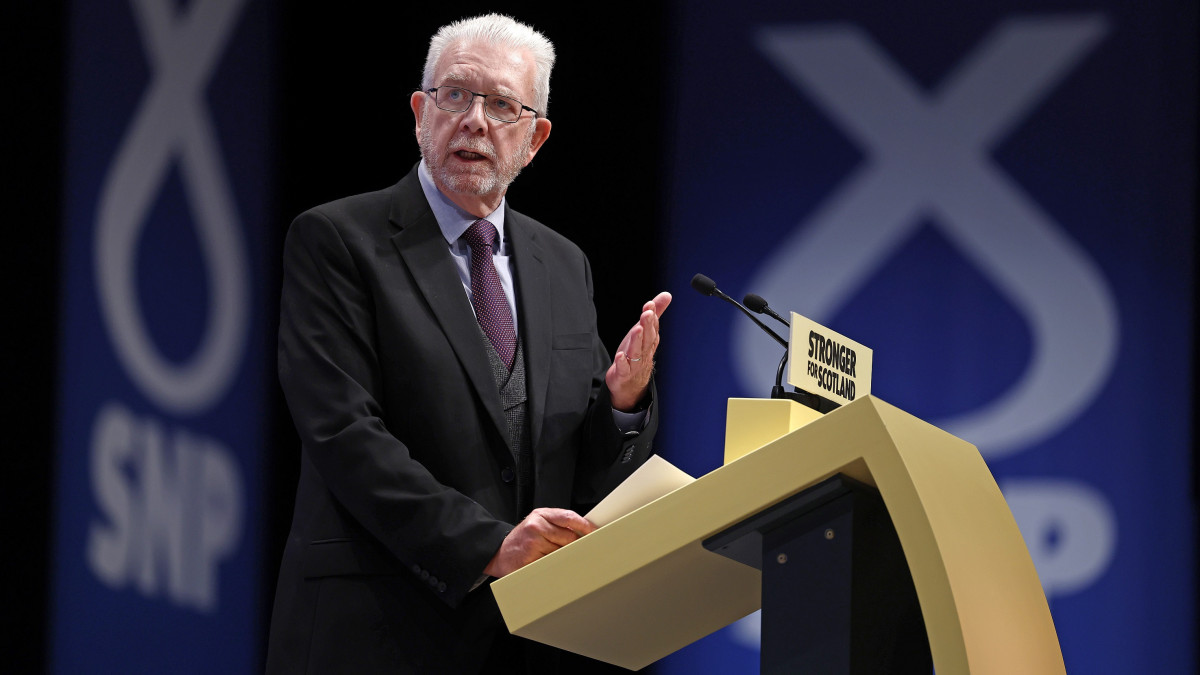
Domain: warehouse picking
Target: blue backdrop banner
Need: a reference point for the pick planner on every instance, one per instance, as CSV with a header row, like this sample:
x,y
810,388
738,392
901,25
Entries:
x,y
162,378
999,201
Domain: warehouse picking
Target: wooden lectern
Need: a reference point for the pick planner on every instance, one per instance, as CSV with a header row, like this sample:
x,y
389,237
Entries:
x,y
689,563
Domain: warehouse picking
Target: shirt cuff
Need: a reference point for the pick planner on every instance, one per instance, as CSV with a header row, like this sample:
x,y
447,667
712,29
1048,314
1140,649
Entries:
x,y
630,422
479,582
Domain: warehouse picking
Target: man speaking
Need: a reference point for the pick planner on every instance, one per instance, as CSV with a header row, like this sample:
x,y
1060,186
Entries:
x,y
439,355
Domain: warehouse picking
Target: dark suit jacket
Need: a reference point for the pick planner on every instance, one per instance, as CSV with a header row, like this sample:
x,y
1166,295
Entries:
x,y
407,484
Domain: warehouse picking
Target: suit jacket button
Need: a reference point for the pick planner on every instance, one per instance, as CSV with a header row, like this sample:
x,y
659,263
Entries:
x,y
433,581
424,575
507,475
442,587
416,568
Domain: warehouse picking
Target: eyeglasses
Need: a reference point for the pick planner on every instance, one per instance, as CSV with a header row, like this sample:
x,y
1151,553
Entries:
x,y
500,108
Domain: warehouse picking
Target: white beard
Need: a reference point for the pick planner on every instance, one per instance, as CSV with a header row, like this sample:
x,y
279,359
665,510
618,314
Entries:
x,y
488,178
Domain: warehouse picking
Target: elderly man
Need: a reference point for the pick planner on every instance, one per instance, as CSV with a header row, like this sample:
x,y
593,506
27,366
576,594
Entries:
x,y
456,408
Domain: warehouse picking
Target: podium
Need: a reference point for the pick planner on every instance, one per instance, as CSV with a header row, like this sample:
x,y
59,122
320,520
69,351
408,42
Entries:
x,y
693,561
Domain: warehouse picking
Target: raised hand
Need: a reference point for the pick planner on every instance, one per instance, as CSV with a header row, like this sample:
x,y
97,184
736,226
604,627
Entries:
x,y
629,374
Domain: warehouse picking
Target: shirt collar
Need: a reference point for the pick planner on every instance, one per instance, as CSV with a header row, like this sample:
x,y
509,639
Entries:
x,y
451,219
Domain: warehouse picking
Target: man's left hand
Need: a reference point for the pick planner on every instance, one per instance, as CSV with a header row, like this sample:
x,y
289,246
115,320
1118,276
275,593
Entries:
x,y
629,375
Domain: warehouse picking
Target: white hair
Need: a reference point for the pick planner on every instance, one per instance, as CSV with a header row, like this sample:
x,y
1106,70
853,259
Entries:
x,y
501,30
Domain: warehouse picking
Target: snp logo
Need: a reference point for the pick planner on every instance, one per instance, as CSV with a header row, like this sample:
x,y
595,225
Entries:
x,y
170,500
172,505
927,158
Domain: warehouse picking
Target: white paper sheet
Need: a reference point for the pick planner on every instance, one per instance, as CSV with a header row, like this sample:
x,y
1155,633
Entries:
x,y
655,478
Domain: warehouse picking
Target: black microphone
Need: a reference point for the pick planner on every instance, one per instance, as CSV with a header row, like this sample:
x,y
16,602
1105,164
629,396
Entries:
x,y
758,305
707,286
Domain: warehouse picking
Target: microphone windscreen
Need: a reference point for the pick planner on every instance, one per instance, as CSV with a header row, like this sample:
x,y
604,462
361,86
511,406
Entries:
x,y
754,302
704,284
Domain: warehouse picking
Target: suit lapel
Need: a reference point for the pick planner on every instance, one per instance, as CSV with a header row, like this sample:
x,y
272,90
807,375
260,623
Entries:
x,y
421,244
537,324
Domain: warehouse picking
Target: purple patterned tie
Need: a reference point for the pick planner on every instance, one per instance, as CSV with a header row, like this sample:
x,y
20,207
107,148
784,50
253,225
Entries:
x,y
491,307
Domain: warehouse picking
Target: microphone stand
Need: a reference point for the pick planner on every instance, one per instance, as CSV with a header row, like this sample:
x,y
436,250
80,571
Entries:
x,y
706,286
804,398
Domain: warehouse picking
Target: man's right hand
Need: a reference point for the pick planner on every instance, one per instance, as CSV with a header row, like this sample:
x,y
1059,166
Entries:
x,y
542,532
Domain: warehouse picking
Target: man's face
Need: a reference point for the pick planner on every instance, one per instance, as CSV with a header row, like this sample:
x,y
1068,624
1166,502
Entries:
x,y
473,157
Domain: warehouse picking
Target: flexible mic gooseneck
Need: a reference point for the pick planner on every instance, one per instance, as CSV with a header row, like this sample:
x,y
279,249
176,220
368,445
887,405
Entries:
x,y
707,286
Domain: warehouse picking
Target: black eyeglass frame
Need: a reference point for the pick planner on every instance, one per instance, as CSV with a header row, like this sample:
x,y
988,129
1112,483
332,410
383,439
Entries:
x,y
433,92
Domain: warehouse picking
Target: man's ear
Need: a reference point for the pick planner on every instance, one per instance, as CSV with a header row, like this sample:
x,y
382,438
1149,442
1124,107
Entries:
x,y
541,131
417,101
